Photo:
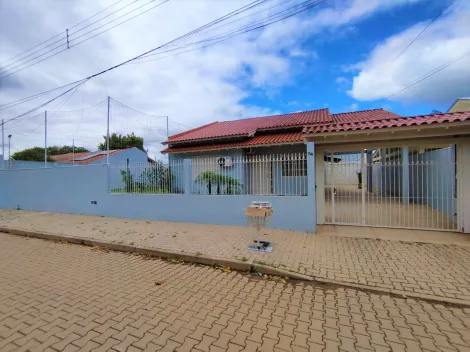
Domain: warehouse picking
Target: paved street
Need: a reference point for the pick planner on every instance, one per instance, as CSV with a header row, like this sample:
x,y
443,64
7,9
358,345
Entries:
x,y
63,297
437,270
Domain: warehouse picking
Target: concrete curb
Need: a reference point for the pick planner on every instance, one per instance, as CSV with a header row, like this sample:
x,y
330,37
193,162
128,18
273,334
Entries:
x,y
156,252
234,264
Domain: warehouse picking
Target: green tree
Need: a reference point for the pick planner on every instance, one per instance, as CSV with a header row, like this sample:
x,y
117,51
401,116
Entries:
x,y
211,178
65,149
157,178
118,141
154,179
128,181
37,153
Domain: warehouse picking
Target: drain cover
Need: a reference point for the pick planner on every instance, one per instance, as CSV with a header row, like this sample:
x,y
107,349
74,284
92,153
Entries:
x,y
261,246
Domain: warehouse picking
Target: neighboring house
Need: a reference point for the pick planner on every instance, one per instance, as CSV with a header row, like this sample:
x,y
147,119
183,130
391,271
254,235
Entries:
x,y
370,167
130,162
135,155
460,105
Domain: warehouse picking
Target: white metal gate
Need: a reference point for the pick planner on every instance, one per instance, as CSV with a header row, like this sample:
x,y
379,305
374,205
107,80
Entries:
x,y
392,187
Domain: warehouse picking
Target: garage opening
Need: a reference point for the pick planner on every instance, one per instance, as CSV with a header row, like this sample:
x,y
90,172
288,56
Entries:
x,y
392,187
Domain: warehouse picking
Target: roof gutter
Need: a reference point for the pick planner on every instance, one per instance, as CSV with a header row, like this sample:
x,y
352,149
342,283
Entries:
x,y
208,139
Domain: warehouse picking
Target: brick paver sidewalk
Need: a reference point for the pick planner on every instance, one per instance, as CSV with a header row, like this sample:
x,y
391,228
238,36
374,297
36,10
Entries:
x,y
425,269
58,297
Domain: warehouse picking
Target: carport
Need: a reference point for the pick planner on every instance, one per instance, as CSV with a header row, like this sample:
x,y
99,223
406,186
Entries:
x,y
405,173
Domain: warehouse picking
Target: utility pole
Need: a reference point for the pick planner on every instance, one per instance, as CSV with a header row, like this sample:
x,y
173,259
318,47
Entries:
x,y
73,151
107,133
68,43
45,139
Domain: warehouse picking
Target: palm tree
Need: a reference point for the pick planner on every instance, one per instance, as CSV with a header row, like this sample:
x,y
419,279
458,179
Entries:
x,y
211,178
232,185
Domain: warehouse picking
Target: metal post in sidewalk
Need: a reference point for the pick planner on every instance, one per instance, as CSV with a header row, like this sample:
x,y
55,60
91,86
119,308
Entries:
x,y
45,139
107,133
3,144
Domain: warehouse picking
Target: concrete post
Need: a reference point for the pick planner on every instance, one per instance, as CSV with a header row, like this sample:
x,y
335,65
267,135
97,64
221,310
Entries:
x,y
405,181
383,167
311,184
320,183
187,176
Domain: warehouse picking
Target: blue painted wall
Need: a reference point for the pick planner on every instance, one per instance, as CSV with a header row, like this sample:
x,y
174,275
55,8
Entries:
x,y
71,190
432,180
387,177
134,155
23,164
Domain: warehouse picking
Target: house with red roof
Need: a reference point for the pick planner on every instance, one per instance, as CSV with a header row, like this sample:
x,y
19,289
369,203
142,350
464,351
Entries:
x,y
134,155
367,168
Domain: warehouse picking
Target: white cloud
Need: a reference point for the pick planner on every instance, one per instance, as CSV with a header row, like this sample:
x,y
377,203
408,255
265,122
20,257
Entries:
x,y
194,88
346,12
341,80
354,107
447,38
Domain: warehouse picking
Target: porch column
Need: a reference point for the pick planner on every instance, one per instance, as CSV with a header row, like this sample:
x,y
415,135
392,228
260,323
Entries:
x,y
405,180
369,170
383,167
311,184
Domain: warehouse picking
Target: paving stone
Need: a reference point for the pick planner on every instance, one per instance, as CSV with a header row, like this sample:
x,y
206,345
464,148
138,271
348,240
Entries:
x,y
116,295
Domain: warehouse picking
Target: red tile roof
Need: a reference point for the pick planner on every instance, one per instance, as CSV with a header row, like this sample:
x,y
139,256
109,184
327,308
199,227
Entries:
x,y
63,158
248,127
69,157
364,115
399,122
263,140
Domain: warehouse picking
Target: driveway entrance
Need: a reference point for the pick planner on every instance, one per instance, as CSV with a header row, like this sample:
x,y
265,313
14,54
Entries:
x,y
392,187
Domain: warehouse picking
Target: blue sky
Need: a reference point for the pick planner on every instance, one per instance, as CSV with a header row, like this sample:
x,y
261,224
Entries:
x,y
318,86
340,55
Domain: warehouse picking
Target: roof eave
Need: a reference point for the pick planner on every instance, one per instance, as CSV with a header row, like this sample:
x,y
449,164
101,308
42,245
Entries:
x,y
246,135
234,147
445,128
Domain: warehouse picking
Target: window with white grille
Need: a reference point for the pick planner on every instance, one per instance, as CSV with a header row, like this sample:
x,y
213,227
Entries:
x,y
294,167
